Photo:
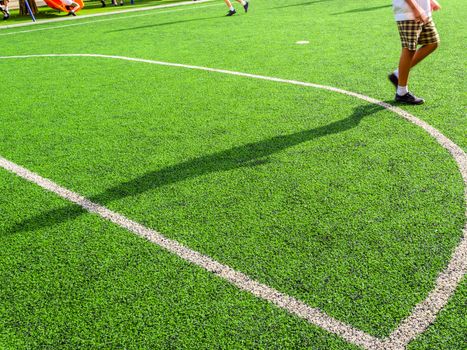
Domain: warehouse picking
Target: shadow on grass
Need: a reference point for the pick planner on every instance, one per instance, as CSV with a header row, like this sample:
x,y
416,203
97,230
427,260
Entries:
x,y
247,155
301,4
363,9
163,24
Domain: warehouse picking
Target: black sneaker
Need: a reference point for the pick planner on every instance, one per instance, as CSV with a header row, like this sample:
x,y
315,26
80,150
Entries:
x,y
409,99
393,79
103,3
6,15
246,6
71,13
231,13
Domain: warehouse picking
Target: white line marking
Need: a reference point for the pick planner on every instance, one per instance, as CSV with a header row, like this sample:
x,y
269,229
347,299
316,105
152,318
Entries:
x,y
242,281
423,314
105,20
64,18
302,42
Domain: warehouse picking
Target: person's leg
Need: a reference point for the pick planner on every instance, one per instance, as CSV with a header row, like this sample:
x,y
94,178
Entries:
x,y
231,8
428,39
409,32
74,7
402,93
423,52
405,63
244,4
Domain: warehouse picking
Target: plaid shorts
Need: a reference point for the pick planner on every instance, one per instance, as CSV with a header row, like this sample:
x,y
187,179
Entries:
x,y
413,34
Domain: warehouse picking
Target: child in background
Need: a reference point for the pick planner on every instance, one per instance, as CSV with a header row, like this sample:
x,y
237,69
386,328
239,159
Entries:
x,y
71,6
4,9
416,27
231,8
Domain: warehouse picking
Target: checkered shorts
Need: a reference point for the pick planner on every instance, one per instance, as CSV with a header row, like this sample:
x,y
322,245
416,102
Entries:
x,y
413,34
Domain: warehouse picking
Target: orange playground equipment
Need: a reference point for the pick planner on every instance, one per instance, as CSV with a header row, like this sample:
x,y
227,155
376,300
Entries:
x,y
58,5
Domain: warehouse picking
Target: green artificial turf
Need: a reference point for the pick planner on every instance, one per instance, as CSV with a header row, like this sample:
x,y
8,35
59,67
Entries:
x,y
90,7
88,284
324,197
450,328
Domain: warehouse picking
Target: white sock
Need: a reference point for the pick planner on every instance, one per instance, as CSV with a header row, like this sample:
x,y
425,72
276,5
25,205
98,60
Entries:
x,y
402,90
232,8
396,73
243,3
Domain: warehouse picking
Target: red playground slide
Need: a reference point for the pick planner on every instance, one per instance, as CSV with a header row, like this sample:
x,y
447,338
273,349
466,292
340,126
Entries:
x,y
58,5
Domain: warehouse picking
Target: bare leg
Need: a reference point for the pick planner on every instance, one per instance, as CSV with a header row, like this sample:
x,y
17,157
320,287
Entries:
x,y
228,3
405,63
422,53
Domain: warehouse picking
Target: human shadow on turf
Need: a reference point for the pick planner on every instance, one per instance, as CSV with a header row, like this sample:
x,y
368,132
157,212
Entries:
x,y
247,155
163,24
301,4
363,9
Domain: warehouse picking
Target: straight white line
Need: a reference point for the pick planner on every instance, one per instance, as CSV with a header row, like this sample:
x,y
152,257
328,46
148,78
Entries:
x,y
242,281
147,8
422,315
105,20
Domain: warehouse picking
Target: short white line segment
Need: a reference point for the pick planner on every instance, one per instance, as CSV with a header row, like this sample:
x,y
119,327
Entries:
x,y
422,315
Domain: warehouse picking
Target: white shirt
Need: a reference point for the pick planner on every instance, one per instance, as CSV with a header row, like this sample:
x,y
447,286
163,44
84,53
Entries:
x,y
403,12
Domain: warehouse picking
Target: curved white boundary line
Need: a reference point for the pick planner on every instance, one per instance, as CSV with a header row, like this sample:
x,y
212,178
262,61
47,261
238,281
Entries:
x,y
422,315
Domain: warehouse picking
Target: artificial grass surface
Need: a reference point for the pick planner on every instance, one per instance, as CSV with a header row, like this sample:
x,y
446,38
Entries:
x,y
90,7
89,284
450,328
324,197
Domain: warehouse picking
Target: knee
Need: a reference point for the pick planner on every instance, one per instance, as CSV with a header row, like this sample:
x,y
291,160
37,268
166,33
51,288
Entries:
x,y
434,46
